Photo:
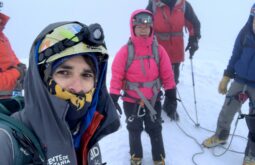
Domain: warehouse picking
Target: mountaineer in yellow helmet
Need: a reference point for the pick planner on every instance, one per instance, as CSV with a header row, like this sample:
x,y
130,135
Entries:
x,y
67,105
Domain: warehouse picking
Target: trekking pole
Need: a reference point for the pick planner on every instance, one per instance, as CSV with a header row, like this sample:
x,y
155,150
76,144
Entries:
x,y
194,91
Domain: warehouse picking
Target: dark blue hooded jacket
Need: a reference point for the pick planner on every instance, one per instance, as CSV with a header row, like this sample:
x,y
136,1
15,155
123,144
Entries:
x,y
241,65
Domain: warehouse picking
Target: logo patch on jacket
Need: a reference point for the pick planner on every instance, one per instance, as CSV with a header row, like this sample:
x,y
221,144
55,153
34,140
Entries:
x,y
59,159
94,156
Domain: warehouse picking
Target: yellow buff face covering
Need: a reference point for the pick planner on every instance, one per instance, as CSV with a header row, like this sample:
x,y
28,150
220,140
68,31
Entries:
x,y
77,101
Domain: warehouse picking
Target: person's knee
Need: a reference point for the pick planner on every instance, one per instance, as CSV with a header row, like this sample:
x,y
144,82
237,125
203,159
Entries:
x,y
154,131
133,127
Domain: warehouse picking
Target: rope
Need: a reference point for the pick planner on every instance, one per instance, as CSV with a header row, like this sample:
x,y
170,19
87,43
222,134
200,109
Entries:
x,y
185,109
196,141
228,147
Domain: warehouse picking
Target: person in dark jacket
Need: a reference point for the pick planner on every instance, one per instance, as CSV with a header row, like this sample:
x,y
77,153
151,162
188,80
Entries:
x,y
241,68
170,18
67,105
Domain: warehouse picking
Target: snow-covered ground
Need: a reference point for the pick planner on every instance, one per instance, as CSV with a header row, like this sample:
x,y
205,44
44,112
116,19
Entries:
x,y
220,22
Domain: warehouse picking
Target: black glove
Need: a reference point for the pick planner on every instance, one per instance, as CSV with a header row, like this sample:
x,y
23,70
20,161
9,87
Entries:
x,y
170,104
192,45
22,68
115,99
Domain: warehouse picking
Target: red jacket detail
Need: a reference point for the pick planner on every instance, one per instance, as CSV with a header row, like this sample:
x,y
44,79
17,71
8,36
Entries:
x,y
173,21
87,136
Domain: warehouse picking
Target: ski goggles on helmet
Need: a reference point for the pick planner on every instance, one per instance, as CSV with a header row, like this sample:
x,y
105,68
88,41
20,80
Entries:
x,y
69,39
143,18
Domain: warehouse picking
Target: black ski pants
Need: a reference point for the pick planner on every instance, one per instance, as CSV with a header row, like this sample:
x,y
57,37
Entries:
x,y
176,70
250,147
135,126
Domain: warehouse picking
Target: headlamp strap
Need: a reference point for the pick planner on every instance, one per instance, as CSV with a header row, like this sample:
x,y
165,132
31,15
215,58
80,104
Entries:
x,y
57,48
91,35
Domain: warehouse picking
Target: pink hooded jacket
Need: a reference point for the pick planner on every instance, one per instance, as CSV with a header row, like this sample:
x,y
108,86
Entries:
x,y
142,47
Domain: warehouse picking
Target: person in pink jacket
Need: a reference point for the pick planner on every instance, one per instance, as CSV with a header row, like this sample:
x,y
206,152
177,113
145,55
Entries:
x,y
139,70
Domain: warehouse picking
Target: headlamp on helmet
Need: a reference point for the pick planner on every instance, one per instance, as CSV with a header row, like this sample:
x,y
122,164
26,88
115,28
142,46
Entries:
x,y
143,18
69,39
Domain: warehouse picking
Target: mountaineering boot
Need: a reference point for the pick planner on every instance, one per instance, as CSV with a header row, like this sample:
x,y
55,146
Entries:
x,y
213,141
249,160
161,162
135,161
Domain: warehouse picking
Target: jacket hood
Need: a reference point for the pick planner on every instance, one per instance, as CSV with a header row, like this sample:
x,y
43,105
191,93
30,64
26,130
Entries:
x,y
4,19
249,22
37,96
45,113
134,38
250,19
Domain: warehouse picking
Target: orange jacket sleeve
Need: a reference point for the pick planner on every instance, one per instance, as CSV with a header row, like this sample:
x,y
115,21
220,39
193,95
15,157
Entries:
x,y
8,59
8,79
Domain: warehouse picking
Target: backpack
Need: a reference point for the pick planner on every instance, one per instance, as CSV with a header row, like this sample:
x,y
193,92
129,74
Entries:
x,y
131,53
155,85
158,3
27,149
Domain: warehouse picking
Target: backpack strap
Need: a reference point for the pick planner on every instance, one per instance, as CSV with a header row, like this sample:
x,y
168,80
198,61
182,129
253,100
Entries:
x,y
131,57
22,136
4,110
5,94
155,4
25,137
11,105
155,50
131,54
17,156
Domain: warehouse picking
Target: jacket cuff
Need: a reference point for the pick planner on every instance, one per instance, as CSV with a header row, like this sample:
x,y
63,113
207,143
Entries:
x,y
229,73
